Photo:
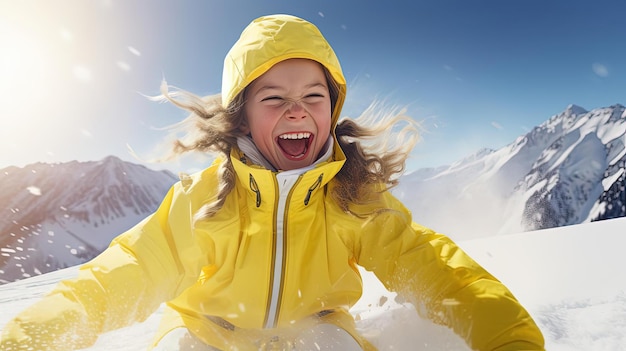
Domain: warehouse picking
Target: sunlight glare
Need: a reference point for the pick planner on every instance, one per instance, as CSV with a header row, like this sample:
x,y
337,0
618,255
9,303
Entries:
x,y
66,35
22,68
82,73
23,86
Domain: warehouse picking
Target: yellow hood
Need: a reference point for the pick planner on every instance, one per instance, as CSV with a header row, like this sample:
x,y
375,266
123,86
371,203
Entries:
x,y
272,39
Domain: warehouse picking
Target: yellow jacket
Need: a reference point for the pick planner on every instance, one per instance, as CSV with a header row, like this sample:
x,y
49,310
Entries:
x,y
278,256
248,268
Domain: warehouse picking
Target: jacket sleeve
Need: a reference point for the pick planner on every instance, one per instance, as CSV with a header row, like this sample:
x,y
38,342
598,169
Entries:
x,y
429,270
124,284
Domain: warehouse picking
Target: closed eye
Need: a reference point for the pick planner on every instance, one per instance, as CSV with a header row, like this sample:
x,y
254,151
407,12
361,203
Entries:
x,y
271,98
314,95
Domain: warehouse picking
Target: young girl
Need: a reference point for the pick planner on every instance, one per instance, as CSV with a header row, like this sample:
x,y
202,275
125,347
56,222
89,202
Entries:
x,y
260,250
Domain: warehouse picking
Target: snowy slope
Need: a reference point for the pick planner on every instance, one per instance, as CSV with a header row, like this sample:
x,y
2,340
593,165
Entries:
x,y
68,213
570,279
568,170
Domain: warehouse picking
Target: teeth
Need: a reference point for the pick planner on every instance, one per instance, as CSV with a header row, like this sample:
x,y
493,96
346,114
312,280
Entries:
x,y
295,136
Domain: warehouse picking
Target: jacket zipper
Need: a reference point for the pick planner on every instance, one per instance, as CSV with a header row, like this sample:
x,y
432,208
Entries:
x,y
279,251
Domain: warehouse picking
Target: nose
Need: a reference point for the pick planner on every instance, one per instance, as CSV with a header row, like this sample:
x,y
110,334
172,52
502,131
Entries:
x,y
296,110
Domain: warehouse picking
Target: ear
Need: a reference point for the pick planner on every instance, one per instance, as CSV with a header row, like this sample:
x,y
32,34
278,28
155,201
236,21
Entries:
x,y
243,127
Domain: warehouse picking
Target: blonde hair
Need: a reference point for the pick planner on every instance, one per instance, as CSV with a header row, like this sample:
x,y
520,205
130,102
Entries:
x,y
376,150
377,145
210,128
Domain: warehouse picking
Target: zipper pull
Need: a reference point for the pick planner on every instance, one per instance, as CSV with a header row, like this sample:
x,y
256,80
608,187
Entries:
x,y
255,188
312,188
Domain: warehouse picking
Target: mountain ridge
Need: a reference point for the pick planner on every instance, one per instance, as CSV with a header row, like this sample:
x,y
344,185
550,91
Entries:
x,y
567,170
57,215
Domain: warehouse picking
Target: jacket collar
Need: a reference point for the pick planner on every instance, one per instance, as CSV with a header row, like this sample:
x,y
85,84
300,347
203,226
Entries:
x,y
260,182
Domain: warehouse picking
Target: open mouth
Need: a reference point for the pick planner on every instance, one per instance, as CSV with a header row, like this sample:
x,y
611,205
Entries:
x,y
295,145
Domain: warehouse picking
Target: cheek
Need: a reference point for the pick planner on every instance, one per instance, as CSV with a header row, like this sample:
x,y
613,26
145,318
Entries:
x,y
324,126
261,132
254,121
323,122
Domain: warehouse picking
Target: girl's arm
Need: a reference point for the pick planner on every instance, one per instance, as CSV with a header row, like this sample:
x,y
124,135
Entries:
x,y
126,283
444,283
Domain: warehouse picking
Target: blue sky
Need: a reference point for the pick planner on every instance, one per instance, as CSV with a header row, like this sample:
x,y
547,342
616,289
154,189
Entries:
x,y
475,73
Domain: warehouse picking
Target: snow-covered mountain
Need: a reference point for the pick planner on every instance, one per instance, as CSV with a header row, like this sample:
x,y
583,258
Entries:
x,y
568,170
58,215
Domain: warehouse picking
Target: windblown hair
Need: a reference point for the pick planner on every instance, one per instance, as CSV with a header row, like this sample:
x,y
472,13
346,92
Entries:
x,y
376,150
210,128
377,145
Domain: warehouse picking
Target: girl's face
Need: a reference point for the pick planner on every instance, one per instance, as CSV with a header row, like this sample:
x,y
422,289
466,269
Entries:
x,y
288,113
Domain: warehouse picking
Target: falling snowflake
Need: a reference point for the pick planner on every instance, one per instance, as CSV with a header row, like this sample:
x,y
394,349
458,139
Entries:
x,y
34,190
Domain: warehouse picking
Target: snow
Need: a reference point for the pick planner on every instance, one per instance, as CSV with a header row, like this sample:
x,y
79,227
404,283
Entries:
x,y
608,181
569,278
